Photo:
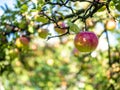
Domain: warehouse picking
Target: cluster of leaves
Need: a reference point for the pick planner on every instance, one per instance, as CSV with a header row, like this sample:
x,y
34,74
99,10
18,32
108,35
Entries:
x,y
51,66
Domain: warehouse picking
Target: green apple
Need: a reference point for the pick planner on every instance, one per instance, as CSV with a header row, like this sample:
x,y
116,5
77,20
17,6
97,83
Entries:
x,y
62,28
43,33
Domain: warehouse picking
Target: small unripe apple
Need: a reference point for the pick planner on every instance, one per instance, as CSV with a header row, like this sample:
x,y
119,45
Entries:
x,y
89,22
22,41
110,24
86,41
76,52
62,28
43,33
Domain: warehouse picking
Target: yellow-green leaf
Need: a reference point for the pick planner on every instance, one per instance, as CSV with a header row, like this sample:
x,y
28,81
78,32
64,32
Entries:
x,y
24,8
73,27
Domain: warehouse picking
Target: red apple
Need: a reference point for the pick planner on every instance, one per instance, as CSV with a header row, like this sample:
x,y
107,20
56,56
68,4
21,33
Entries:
x,y
86,41
60,30
110,24
22,41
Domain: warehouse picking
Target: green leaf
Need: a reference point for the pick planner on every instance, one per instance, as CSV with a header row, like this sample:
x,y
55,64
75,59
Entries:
x,y
61,14
88,87
41,19
22,24
30,29
24,8
73,27
117,6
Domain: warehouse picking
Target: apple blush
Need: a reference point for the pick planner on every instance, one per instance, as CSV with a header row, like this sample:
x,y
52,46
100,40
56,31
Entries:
x,y
86,41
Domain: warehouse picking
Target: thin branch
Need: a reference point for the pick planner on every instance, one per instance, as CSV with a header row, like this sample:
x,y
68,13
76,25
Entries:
x,y
109,51
59,35
66,1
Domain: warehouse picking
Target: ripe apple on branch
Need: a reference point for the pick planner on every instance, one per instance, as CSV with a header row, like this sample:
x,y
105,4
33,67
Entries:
x,y
22,42
110,24
60,28
86,41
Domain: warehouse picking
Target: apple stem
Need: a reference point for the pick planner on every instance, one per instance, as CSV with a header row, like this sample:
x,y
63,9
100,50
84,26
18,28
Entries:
x,y
85,28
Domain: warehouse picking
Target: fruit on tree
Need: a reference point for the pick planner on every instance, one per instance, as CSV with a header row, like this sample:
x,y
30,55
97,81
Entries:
x,y
110,24
14,52
86,41
76,52
33,47
22,41
61,29
43,33
89,22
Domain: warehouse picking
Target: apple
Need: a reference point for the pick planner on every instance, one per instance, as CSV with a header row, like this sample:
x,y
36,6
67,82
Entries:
x,y
34,47
43,33
86,41
22,41
14,52
62,28
110,24
89,22
76,52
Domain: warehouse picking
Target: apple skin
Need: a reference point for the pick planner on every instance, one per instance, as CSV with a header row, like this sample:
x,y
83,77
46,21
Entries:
x,y
86,41
43,33
59,30
110,24
22,42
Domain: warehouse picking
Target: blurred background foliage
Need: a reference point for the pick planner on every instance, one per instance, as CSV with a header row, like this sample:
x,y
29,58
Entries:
x,y
55,64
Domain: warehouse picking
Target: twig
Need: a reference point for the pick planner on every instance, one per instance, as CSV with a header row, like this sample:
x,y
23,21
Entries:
x,y
109,51
59,35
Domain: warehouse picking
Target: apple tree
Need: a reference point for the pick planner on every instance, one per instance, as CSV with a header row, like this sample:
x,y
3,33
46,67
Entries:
x,y
60,45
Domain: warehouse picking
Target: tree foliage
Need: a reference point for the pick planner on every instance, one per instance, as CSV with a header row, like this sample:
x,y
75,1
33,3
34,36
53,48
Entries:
x,y
35,55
